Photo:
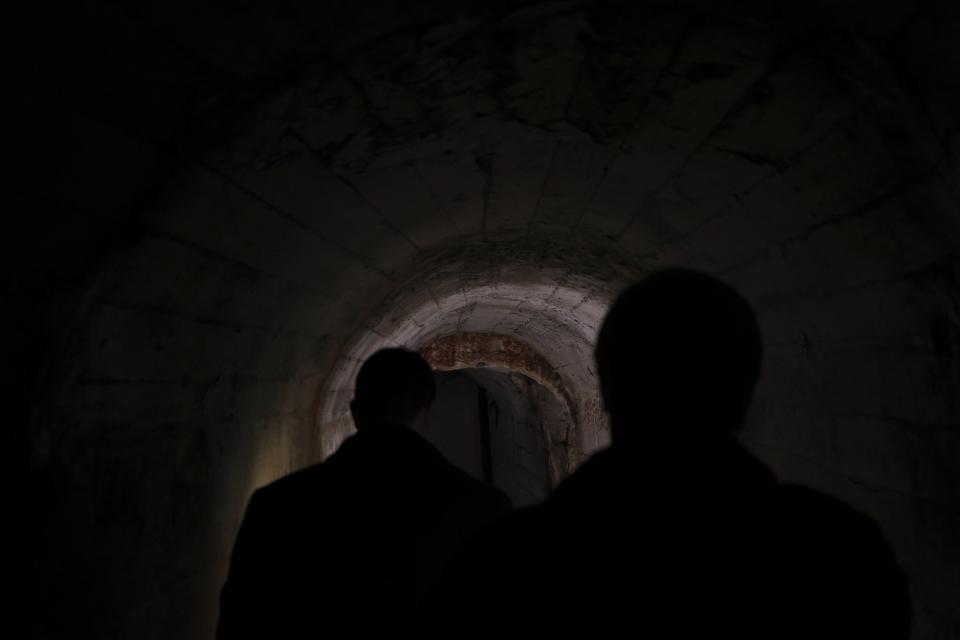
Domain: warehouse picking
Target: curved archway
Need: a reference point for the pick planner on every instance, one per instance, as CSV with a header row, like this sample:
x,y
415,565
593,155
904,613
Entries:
x,y
546,313
497,171
561,420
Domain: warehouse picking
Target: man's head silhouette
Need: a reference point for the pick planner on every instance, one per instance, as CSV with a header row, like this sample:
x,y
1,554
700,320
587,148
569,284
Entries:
x,y
394,385
678,352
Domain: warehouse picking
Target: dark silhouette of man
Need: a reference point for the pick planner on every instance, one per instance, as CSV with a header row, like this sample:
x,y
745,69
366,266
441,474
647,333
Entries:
x,y
347,548
675,530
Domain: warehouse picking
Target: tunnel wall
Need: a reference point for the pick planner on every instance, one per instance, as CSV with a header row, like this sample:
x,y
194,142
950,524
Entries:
x,y
518,408
515,410
209,211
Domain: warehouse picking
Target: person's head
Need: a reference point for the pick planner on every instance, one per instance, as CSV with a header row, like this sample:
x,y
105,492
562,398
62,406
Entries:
x,y
393,385
678,350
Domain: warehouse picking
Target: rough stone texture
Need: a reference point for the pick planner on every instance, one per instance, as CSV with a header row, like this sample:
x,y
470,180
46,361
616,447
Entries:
x,y
217,211
520,410
561,433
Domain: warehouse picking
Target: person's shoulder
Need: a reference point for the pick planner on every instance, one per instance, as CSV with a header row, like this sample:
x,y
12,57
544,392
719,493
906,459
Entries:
x,y
816,508
528,523
831,528
597,484
290,487
841,559
514,539
477,491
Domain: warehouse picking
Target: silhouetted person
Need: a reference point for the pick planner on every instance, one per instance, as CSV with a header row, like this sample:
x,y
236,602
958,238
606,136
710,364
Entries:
x,y
348,547
675,530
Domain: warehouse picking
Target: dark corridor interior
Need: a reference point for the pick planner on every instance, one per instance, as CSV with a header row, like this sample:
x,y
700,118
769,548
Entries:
x,y
490,424
216,211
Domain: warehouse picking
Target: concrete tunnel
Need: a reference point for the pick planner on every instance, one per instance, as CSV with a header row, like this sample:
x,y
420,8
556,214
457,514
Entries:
x,y
219,212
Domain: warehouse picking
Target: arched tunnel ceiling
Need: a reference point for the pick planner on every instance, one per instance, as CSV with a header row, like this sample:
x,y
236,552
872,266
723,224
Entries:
x,y
231,215
510,174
